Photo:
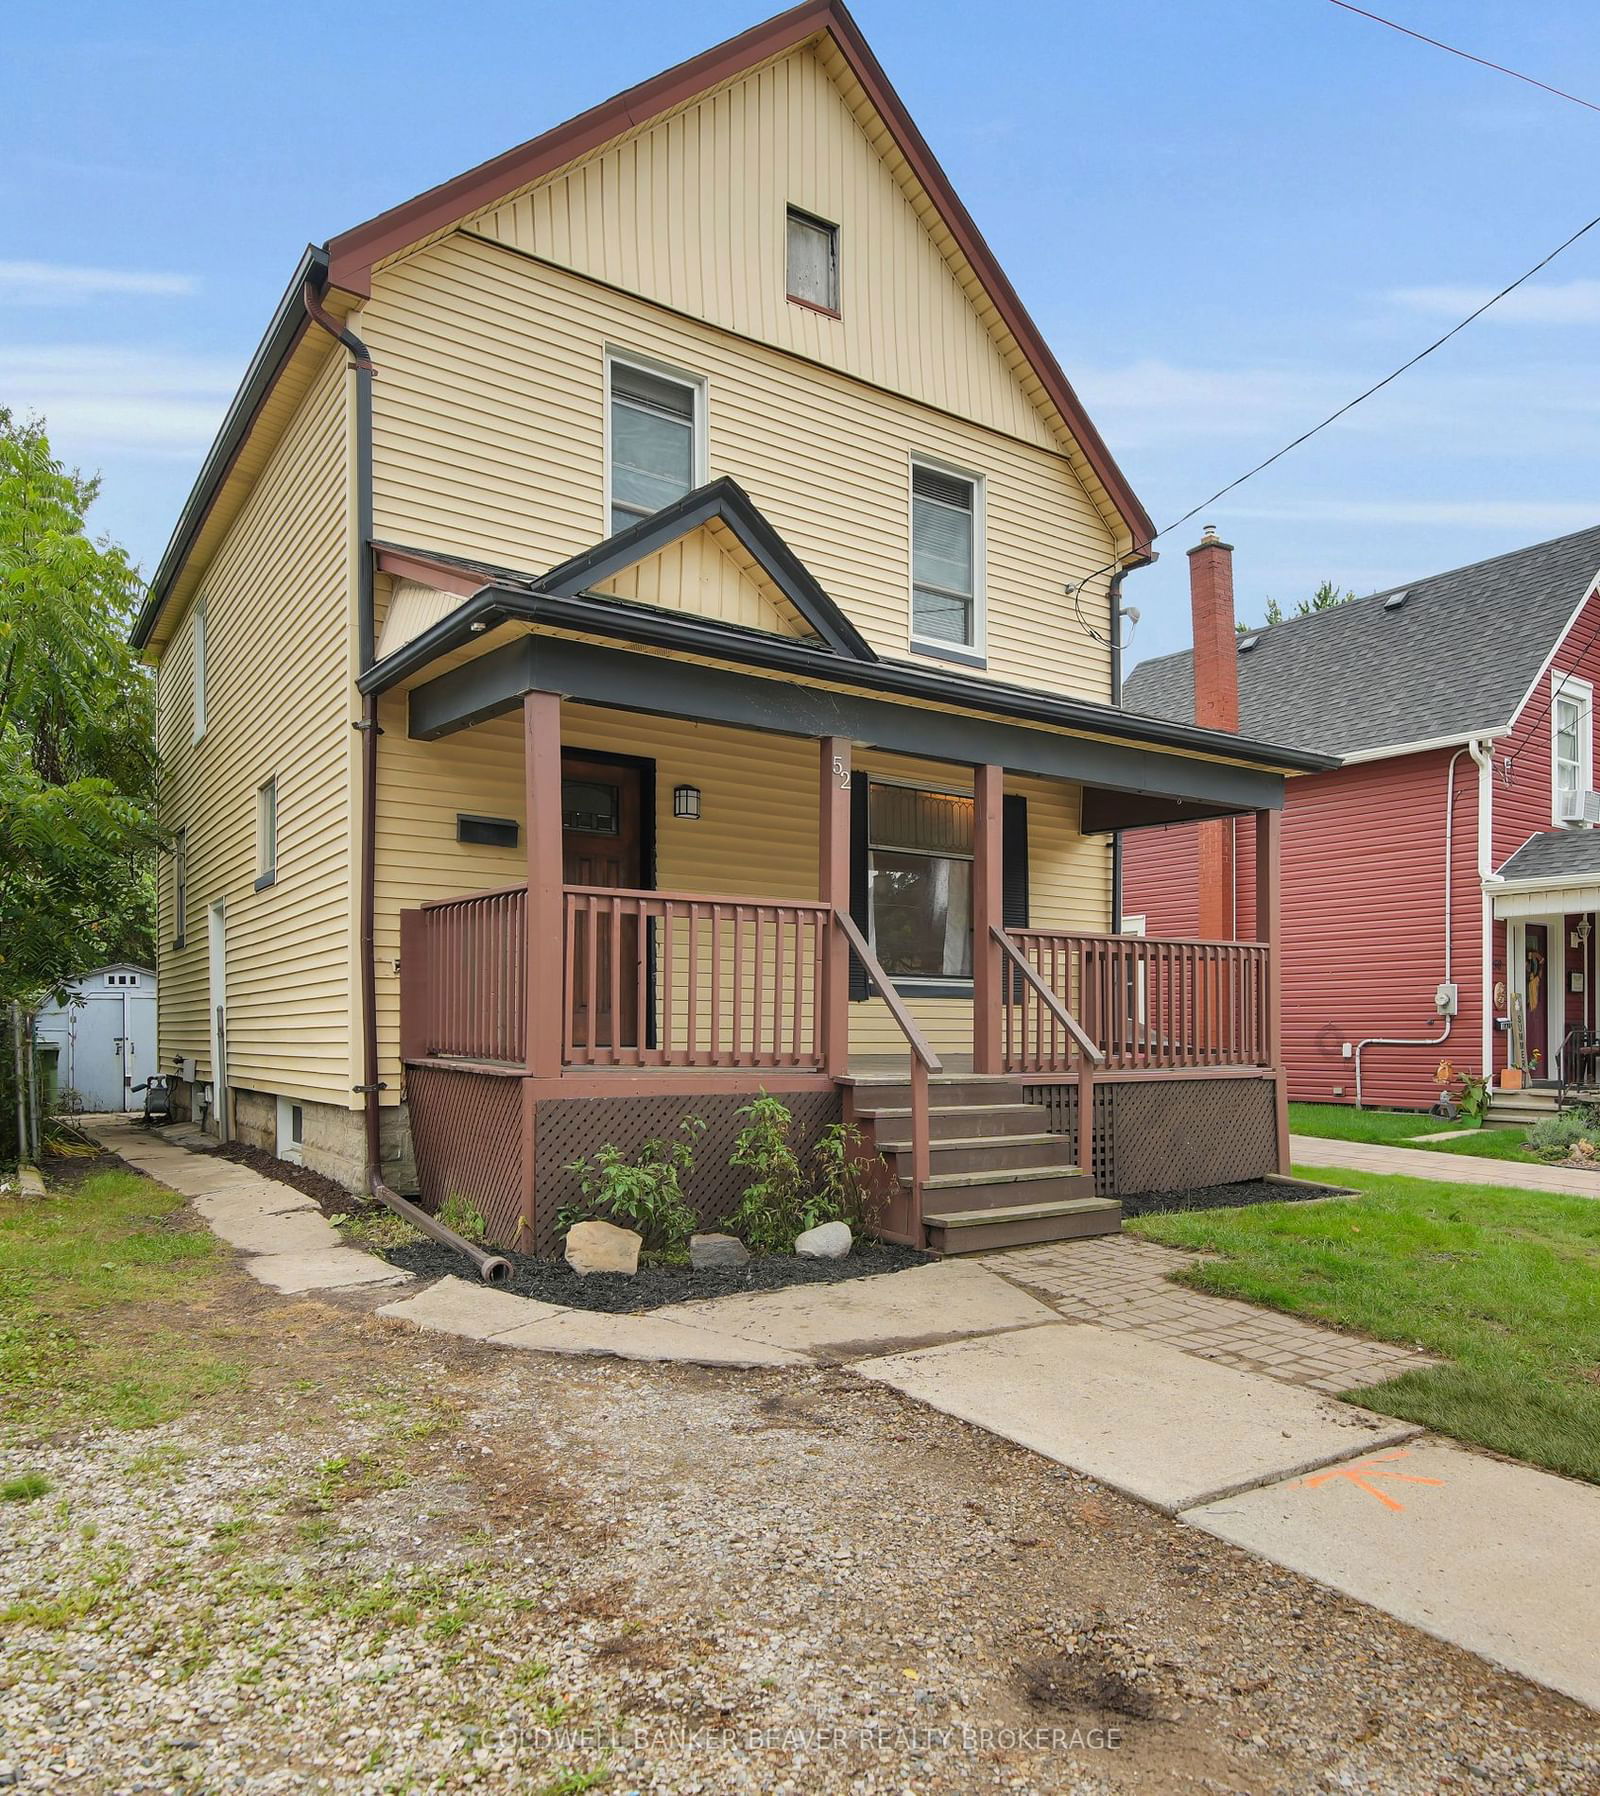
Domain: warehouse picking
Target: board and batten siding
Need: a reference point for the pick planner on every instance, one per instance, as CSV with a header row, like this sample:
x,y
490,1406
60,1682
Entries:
x,y
279,659
757,836
691,212
489,442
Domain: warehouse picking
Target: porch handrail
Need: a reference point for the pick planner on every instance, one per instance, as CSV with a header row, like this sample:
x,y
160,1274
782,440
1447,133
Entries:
x,y
923,1062
1052,1003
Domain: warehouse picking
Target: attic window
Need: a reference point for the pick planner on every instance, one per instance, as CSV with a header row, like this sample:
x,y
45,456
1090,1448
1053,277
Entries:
x,y
1395,600
813,262
1246,643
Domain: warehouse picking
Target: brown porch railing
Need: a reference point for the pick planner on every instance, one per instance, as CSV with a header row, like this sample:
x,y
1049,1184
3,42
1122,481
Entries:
x,y
1144,1003
670,979
464,985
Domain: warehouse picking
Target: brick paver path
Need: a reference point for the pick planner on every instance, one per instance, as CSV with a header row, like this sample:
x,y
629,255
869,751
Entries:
x,y
1455,1169
1120,1282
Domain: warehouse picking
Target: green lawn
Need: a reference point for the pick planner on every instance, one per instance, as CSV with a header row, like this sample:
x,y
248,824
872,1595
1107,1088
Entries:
x,y
89,1328
1398,1128
1504,1285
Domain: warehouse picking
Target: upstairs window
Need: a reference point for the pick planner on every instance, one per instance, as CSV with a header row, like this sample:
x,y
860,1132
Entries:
x,y
657,439
199,628
1571,747
266,833
919,873
813,262
946,553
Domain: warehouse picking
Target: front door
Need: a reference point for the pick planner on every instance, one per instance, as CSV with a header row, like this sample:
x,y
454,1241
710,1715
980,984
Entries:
x,y
602,845
1536,997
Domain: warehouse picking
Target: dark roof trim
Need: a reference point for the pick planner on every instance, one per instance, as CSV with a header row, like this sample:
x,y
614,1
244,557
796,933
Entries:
x,y
648,627
354,252
288,325
723,501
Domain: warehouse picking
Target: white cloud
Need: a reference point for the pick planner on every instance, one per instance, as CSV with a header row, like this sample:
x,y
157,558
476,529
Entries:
x,y
58,283
1555,302
95,398
1551,516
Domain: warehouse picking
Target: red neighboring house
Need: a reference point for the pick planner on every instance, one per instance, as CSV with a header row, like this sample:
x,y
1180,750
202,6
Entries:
x,y
1446,876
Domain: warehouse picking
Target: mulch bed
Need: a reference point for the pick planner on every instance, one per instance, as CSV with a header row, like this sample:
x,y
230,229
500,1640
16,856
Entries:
x,y
651,1287
1224,1197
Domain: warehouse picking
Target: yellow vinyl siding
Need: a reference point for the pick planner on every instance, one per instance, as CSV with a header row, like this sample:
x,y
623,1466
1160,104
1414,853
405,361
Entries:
x,y
692,212
709,573
757,836
278,634
489,432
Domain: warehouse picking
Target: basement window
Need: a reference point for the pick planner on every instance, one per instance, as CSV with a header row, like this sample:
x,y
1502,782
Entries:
x,y
813,261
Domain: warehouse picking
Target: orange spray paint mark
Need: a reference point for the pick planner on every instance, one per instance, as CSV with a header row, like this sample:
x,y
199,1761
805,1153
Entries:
x,y
1363,1471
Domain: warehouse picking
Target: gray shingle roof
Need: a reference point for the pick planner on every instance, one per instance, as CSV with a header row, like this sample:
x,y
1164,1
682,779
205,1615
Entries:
x,y
1556,854
1455,658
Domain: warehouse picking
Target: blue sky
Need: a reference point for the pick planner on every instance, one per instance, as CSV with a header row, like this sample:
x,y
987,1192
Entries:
x,y
1228,218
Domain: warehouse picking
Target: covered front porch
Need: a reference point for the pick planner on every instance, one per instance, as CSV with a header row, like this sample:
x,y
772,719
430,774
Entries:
x,y
901,940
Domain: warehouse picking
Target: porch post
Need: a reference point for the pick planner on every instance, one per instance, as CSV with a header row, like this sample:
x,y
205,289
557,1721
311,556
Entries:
x,y
987,912
546,957
1269,929
833,888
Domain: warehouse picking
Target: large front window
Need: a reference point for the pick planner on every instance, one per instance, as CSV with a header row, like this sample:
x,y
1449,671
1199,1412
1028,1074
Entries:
x,y
655,452
920,881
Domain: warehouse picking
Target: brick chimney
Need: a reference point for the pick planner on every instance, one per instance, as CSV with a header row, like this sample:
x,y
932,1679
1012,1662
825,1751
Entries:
x,y
1216,707
1216,642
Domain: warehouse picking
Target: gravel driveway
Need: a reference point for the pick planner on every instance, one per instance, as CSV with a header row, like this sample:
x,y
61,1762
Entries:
x,y
407,1563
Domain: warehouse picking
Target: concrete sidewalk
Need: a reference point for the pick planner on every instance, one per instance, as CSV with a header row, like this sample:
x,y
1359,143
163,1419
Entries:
x,y
1455,1169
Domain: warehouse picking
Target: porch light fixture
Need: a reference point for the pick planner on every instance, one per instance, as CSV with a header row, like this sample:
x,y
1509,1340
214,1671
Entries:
x,y
686,802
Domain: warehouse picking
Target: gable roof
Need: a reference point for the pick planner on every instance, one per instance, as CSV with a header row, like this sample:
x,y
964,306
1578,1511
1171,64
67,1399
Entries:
x,y
1455,658
1556,857
343,269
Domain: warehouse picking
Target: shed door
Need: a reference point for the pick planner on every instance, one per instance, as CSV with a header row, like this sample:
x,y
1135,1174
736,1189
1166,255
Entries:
x,y
602,845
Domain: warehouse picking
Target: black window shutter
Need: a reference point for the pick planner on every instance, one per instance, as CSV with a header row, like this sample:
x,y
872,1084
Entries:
x,y
1013,878
1014,861
858,880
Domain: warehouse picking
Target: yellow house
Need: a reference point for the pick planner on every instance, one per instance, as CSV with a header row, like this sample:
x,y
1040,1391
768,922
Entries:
x,y
646,633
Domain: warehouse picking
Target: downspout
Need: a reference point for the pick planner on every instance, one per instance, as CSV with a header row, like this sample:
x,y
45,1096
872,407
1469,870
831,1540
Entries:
x,y
1430,1041
491,1267
1114,604
1483,754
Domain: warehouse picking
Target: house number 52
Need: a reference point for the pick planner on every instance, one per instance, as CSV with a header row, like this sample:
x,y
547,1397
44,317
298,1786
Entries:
x,y
843,773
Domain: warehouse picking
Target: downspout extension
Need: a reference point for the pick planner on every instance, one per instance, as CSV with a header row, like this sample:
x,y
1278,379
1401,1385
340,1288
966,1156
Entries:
x,y
1429,1041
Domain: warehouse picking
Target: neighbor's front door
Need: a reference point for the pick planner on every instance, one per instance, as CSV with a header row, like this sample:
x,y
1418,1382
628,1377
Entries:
x,y
1536,997
601,845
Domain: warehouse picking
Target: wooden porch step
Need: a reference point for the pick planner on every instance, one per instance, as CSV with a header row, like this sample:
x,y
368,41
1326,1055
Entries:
x,y
964,1122
982,1153
1001,1187
944,1090
1021,1225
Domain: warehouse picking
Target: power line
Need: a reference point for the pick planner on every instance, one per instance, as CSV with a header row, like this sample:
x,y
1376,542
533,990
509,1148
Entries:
x,y
1466,55
1350,405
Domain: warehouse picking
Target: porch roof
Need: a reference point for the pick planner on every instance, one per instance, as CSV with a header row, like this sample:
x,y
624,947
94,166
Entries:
x,y
1556,857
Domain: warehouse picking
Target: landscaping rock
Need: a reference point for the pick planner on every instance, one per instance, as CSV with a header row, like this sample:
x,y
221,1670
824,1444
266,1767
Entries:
x,y
602,1247
716,1250
830,1241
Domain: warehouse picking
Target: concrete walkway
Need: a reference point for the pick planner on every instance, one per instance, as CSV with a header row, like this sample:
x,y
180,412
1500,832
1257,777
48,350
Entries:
x,y
1455,1169
1070,1351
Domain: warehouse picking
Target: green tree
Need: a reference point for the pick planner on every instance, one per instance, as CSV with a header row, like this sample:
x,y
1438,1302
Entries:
x,y
78,768
1324,598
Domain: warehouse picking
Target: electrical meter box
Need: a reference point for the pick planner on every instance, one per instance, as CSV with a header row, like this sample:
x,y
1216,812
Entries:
x,y
1447,999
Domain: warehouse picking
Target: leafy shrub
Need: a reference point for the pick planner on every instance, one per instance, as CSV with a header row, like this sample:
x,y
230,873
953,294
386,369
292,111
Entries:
x,y
1555,1137
1474,1097
644,1193
780,1203
851,1183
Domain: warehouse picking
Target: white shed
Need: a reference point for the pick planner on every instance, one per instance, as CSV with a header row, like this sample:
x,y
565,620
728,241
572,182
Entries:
x,y
102,1041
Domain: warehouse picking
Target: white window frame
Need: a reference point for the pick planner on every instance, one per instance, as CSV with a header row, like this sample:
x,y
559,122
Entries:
x,y
198,635
975,653
957,984
697,385
267,833
1563,687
